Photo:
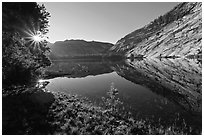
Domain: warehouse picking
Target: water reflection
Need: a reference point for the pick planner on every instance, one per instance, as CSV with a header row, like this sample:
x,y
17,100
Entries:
x,y
76,68
178,79
149,88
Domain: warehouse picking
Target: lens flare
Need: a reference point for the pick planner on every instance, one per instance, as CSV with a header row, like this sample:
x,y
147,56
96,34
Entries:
x,y
34,38
37,38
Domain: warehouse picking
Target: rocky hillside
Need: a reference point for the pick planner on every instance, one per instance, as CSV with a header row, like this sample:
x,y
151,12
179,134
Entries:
x,y
178,33
72,48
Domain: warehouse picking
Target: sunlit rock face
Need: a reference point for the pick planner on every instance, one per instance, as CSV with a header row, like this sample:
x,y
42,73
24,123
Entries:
x,y
178,80
181,37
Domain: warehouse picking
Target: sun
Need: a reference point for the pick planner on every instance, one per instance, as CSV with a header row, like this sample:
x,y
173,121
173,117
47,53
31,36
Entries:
x,y
34,37
37,38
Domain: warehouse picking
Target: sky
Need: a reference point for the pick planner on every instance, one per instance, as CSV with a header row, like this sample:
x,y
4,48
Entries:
x,y
100,21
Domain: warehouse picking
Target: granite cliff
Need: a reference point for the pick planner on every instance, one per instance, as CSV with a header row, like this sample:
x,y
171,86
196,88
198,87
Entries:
x,y
177,33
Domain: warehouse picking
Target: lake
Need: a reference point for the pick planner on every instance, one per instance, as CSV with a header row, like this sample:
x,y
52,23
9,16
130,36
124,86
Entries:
x,y
163,91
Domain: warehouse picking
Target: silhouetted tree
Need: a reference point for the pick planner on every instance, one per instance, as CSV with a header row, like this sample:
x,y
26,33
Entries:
x,y
22,57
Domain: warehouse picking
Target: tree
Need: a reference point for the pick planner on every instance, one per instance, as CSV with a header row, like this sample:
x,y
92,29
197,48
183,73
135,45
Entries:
x,y
22,56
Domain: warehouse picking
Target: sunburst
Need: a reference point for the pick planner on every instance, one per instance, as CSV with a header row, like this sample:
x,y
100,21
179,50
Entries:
x,y
37,38
34,37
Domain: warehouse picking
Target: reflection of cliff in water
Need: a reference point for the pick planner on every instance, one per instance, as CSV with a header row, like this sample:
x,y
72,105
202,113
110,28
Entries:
x,y
179,80
176,79
74,68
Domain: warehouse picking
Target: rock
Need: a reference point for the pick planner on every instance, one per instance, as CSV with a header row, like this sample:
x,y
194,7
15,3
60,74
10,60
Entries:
x,y
180,37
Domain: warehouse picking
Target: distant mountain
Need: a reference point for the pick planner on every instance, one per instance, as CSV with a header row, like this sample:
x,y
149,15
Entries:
x,y
177,33
76,48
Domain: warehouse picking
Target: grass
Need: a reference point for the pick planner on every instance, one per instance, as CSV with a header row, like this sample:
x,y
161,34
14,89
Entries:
x,y
43,112
79,116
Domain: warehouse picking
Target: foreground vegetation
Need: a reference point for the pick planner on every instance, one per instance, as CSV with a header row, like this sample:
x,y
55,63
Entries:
x,y
34,110
37,111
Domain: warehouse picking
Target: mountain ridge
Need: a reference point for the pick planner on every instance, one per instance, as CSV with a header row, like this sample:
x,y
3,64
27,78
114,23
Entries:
x,y
170,35
73,48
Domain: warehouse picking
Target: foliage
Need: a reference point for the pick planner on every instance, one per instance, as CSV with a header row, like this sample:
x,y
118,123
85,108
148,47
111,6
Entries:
x,y
70,114
36,111
176,13
22,58
112,103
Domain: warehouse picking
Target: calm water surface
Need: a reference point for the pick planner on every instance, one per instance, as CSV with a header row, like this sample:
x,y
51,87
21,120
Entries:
x,y
151,89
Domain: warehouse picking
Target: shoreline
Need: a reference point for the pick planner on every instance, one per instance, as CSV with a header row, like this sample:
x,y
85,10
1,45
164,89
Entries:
x,y
58,113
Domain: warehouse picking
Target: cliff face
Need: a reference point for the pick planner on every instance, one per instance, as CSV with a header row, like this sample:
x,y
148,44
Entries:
x,y
177,33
